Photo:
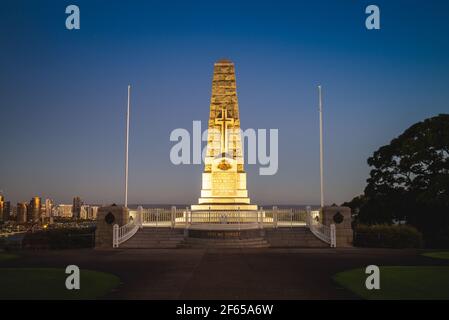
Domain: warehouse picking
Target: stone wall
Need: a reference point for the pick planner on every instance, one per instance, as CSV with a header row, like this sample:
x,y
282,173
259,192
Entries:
x,y
107,217
341,217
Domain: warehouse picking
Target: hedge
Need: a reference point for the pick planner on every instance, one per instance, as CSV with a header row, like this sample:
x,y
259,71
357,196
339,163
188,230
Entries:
x,y
387,236
69,238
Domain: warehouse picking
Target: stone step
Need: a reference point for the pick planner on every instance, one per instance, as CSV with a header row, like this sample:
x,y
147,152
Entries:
x,y
160,233
265,245
224,240
149,233
140,236
150,244
225,243
233,246
154,229
306,238
283,231
146,246
152,241
288,235
303,244
298,242
300,237
261,243
163,238
200,240
281,235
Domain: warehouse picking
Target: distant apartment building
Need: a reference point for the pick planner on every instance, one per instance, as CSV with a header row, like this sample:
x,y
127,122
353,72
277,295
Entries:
x,y
89,212
48,208
76,208
21,212
92,212
63,211
34,210
2,205
6,211
83,213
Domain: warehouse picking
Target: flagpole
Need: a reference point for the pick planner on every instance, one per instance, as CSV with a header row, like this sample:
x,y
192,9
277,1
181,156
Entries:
x,y
321,148
126,150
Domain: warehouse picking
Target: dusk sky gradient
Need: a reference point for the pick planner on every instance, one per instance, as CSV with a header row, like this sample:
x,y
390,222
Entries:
x,y
63,93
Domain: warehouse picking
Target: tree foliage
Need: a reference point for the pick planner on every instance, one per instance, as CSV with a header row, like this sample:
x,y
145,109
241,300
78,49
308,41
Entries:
x,y
409,179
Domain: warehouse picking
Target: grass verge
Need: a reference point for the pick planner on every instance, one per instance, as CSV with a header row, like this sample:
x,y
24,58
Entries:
x,y
399,282
49,283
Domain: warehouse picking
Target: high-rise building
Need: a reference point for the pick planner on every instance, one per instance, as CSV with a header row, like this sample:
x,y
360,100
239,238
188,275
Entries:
x,y
2,203
64,210
76,208
21,213
6,211
83,212
13,212
34,212
89,212
48,206
92,212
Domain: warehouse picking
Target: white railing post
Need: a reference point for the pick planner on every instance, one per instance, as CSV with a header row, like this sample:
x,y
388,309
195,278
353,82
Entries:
x,y
238,216
291,218
140,216
308,216
115,236
333,236
173,216
275,216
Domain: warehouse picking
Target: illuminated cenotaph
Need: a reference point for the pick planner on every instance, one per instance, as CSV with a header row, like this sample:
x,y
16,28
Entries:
x,y
224,177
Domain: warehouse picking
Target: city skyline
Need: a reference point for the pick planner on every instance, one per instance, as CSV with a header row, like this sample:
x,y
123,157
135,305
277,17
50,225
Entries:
x,y
64,93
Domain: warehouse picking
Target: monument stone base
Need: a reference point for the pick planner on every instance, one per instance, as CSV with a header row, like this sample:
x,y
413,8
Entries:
x,y
107,217
224,207
341,217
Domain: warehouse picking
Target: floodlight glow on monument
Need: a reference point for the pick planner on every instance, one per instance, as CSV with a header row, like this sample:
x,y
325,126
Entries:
x,y
224,177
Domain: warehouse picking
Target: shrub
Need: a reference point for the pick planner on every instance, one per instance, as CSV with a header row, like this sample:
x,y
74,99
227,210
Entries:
x,y
387,236
60,239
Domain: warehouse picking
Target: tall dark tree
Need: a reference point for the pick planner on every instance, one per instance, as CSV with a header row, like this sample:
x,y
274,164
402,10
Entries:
x,y
410,179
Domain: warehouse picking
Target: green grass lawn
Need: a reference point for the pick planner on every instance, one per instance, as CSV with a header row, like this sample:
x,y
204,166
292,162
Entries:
x,y
49,283
400,282
7,256
438,255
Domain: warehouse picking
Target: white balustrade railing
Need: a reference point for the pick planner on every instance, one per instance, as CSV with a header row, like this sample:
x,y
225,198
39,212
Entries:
x,y
125,232
289,217
321,231
163,217
224,217
171,217
277,217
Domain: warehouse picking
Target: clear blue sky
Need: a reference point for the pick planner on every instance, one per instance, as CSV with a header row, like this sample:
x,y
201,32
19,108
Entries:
x,y
63,93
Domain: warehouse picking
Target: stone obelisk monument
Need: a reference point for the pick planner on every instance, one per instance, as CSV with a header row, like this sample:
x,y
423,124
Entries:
x,y
224,178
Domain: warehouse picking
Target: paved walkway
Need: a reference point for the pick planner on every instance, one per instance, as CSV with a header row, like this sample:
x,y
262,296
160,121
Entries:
x,y
224,274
